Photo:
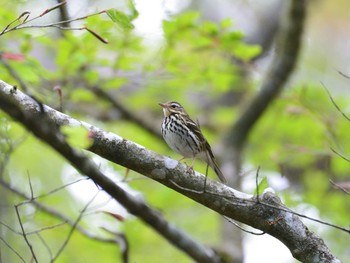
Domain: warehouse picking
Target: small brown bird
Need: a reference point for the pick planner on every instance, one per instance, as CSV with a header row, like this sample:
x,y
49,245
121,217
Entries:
x,y
184,136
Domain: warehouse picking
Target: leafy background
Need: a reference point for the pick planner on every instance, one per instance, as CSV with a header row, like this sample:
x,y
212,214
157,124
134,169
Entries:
x,y
209,68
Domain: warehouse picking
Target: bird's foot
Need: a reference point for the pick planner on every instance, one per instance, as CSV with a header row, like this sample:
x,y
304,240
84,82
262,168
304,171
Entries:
x,y
189,169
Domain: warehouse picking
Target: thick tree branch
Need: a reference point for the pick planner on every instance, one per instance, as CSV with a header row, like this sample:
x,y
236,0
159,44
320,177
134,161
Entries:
x,y
45,126
280,70
268,215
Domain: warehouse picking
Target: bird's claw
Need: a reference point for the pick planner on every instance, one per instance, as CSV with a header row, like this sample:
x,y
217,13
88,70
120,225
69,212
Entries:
x,y
189,169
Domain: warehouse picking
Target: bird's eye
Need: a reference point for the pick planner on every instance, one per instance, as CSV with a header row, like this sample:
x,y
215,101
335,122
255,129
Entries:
x,y
173,106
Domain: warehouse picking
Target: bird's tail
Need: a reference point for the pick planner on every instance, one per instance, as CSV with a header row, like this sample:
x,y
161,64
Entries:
x,y
217,170
212,163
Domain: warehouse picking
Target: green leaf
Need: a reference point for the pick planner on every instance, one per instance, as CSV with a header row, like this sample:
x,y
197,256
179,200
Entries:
x,y
169,28
115,83
134,13
226,23
210,28
263,184
92,76
77,136
187,19
26,44
120,18
82,95
246,52
232,37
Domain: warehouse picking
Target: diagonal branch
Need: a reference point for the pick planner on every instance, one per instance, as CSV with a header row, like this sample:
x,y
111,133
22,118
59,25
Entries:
x,y
44,126
54,213
280,70
268,215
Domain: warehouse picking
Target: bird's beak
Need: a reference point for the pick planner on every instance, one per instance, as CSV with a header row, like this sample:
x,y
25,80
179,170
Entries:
x,y
165,109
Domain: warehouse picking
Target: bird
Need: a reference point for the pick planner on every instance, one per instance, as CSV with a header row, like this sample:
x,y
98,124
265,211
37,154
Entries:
x,y
184,136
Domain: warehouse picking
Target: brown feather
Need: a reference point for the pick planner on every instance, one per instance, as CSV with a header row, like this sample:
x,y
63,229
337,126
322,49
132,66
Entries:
x,y
174,108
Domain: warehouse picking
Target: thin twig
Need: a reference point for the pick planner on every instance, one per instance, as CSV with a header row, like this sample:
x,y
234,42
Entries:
x,y
59,188
24,233
339,187
45,245
10,228
241,228
343,74
24,23
52,212
30,186
25,13
73,228
340,155
26,20
45,228
310,218
123,243
12,249
334,103
347,230
59,5
58,23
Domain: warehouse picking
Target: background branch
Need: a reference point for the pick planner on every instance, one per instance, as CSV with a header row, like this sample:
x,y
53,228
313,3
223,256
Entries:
x,y
281,67
54,213
126,113
64,16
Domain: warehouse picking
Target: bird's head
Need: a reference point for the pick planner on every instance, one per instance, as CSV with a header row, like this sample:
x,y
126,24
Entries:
x,y
172,107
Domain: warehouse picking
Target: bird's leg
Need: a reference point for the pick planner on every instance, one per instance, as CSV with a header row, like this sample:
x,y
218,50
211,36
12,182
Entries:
x,y
206,177
181,159
190,168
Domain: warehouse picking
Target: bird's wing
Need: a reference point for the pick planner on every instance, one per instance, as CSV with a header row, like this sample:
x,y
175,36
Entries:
x,y
193,126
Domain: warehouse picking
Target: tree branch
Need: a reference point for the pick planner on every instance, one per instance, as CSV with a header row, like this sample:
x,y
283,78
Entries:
x,y
55,213
280,70
268,215
64,16
44,125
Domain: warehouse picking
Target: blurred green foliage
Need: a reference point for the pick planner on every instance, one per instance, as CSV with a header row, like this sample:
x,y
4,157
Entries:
x,y
194,60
